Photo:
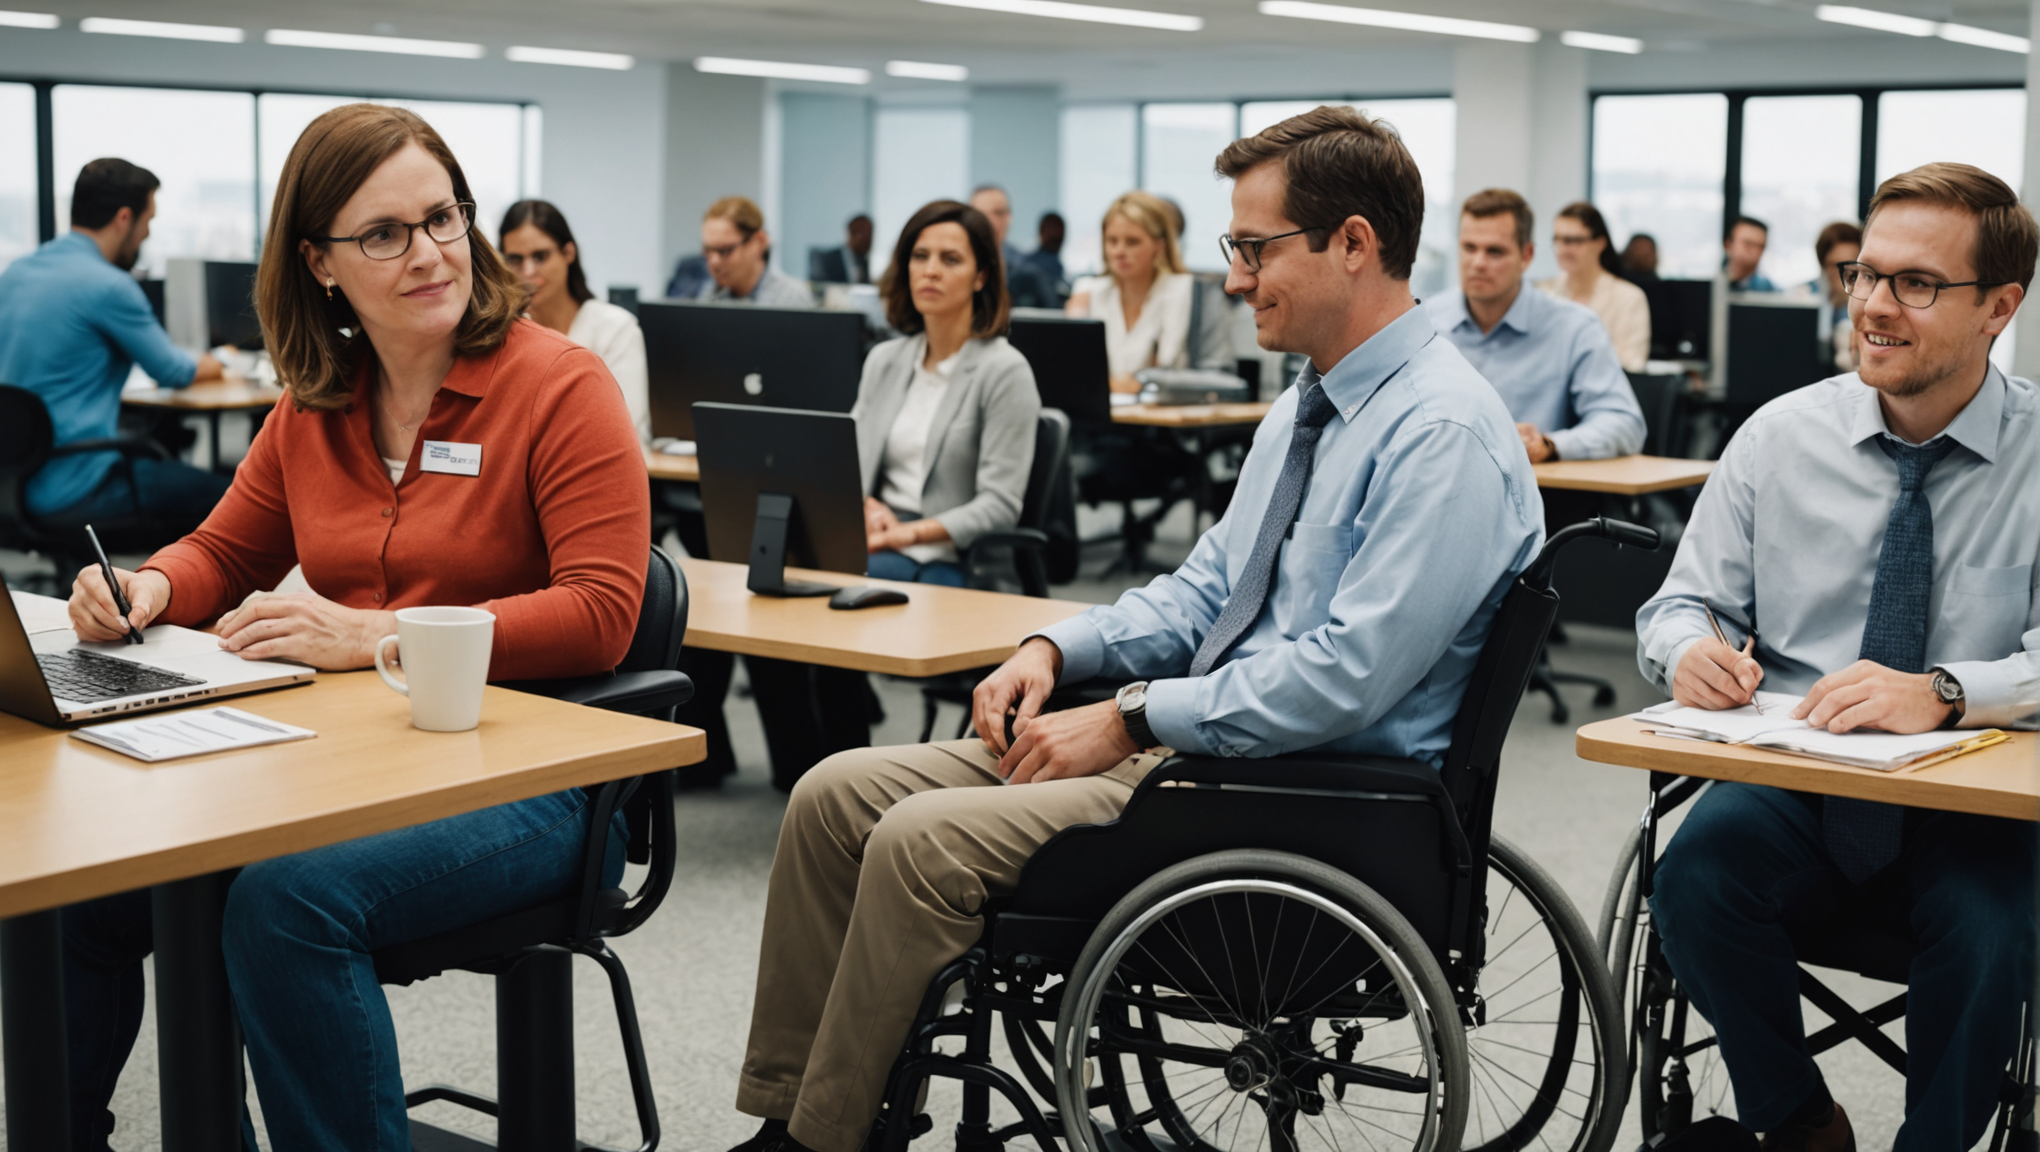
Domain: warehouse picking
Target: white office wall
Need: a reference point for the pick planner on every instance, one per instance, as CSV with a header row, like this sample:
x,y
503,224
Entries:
x,y
919,154
824,173
17,172
1014,133
1098,163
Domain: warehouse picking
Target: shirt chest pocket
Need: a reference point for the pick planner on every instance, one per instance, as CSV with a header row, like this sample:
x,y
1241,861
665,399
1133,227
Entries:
x,y
1314,557
1985,610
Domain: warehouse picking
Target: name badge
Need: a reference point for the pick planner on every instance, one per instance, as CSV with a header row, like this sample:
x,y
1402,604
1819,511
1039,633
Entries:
x,y
451,458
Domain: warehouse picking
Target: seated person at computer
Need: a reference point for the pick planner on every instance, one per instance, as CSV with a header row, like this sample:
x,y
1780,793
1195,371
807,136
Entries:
x,y
849,264
1590,274
371,233
1027,285
1741,251
1144,295
1396,546
1878,531
739,255
539,246
1839,243
73,322
1550,359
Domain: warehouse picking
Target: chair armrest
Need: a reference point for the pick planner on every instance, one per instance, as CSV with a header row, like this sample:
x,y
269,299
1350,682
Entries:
x,y
642,693
1013,538
125,445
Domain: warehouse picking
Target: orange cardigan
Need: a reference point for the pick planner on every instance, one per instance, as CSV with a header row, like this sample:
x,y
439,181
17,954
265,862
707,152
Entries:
x,y
553,536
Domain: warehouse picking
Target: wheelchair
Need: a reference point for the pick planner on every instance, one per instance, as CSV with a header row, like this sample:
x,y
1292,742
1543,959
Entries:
x,y
1680,1077
1311,953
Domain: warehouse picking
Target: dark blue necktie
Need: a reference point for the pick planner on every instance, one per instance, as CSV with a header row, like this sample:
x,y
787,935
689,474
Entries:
x,y
1862,835
1243,607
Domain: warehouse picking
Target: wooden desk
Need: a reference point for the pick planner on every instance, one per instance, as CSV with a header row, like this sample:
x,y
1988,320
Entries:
x,y
1997,781
234,394
937,630
1190,415
79,822
665,467
1623,475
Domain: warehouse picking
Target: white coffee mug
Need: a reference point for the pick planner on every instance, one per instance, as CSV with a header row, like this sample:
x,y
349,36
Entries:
x,y
445,655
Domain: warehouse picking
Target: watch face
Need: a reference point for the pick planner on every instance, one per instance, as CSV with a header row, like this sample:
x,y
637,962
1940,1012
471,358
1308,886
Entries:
x,y
1133,700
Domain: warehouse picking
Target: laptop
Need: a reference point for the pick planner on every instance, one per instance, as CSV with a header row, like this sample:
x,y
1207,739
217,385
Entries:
x,y
47,676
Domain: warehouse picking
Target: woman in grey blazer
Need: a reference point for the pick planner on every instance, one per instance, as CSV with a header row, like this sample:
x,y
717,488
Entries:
x,y
946,414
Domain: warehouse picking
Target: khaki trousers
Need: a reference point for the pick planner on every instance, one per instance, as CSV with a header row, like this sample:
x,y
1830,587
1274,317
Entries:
x,y
885,858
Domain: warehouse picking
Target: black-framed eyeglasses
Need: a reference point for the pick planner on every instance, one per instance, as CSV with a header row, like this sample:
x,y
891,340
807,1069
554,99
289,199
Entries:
x,y
1249,250
1912,289
391,239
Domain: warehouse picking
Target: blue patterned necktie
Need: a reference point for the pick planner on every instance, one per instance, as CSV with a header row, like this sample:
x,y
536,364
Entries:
x,y
1243,607
1862,835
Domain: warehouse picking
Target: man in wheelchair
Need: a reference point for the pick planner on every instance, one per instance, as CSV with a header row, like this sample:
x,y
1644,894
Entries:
x,y
1875,535
1381,514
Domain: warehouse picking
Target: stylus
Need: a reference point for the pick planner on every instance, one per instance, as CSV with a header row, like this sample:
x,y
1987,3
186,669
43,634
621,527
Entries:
x,y
134,635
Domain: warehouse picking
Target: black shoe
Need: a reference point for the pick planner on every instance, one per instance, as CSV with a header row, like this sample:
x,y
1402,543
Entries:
x,y
770,1135
1714,1134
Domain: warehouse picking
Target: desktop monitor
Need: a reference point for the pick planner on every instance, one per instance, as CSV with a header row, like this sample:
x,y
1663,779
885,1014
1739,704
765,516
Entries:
x,y
230,305
742,354
780,487
1773,348
1068,359
153,289
1681,314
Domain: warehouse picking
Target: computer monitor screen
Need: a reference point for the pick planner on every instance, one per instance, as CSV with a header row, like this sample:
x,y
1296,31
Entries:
x,y
747,451
230,305
1681,312
1773,347
742,354
1068,358
153,289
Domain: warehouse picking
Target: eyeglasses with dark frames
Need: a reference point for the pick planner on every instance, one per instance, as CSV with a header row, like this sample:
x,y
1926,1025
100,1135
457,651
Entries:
x,y
1249,249
1912,289
390,239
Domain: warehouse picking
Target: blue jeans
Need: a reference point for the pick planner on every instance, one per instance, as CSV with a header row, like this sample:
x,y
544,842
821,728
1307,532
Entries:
x,y
177,495
1749,864
891,565
299,935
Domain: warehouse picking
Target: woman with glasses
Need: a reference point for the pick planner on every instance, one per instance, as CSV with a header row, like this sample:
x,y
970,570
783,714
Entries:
x,y
1590,273
540,248
393,326
1144,295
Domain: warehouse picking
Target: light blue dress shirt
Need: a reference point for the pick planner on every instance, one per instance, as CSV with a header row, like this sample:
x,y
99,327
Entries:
x,y
1555,367
775,289
1421,508
1789,528
71,328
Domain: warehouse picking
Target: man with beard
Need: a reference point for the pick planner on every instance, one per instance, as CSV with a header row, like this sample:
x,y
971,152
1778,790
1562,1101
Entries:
x,y
1876,535
72,324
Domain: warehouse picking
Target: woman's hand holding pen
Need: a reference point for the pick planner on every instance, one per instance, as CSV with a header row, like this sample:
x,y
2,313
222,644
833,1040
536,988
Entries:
x,y
1713,675
95,616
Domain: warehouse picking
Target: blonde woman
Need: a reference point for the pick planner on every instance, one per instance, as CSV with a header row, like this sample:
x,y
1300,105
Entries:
x,y
1144,296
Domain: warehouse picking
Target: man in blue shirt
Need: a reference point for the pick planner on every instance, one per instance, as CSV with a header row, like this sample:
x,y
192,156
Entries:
x,y
1340,604
1550,359
73,322
1741,251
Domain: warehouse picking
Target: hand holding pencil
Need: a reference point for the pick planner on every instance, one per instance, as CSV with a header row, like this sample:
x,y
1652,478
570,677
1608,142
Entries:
x,y
1715,674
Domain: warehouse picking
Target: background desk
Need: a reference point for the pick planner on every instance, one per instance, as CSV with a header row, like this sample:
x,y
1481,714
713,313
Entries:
x,y
1623,475
1997,781
79,822
1190,415
665,467
234,394
938,629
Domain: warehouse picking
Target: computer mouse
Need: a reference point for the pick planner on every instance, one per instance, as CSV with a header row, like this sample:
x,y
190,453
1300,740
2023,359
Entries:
x,y
866,597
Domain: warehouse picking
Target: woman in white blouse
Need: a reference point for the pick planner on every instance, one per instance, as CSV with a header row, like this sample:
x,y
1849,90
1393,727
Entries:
x,y
1144,296
1591,275
540,248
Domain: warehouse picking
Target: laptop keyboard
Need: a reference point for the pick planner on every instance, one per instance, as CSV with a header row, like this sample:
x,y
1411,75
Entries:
x,y
87,676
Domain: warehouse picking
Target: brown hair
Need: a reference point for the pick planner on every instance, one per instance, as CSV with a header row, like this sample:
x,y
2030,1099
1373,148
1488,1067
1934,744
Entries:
x,y
2006,237
1150,214
1590,218
989,306
547,218
1492,202
1341,164
739,211
1839,232
303,329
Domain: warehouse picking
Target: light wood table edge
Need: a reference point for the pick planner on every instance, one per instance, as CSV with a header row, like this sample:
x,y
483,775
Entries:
x,y
1621,741
666,466
1560,475
884,665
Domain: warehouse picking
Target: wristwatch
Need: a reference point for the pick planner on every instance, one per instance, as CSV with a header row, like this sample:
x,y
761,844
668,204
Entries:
x,y
1948,690
1132,702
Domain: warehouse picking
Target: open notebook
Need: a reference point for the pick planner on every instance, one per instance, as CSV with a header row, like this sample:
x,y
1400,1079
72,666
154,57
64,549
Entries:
x,y
1769,724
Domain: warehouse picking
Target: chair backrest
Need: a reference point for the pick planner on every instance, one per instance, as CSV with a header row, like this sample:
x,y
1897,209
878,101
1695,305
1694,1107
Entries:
x,y
1051,467
662,619
26,436
1661,398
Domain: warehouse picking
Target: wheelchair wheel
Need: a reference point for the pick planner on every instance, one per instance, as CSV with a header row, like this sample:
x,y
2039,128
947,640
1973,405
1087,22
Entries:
x,y
1546,1048
1680,1075
1252,999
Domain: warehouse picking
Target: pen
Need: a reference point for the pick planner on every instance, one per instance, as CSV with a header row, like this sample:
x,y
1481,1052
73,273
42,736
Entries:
x,y
134,635
1748,645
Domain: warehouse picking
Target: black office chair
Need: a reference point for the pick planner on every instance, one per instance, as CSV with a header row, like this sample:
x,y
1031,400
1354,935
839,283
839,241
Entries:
x,y
27,442
1028,543
1663,400
1680,1078
1274,949
530,952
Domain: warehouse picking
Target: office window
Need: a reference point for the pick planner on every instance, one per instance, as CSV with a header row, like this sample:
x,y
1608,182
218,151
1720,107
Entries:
x,y
1658,167
1985,127
17,172
488,140
1097,165
281,119
1801,162
1428,127
201,145
1179,142
919,154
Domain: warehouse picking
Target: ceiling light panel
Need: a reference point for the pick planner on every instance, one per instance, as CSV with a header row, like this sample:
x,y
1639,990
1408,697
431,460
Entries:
x,y
1984,38
43,20
348,42
920,70
162,30
1097,14
1601,43
1403,21
570,57
1872,18
780,70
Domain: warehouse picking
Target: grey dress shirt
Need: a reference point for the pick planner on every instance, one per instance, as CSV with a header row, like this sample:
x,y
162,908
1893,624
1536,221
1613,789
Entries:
x,y
1421,509
1788,530
775,289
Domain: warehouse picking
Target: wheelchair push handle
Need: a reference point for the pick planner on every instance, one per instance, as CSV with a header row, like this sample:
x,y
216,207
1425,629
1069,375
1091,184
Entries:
x,y
1538,575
